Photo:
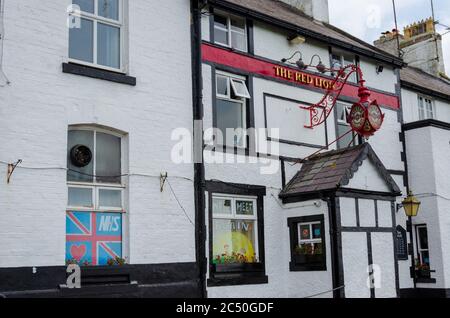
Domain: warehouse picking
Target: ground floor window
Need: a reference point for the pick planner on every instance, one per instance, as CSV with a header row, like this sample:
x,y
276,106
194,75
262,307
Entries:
x,y
236,234
307,243
422,245
96,196
235,230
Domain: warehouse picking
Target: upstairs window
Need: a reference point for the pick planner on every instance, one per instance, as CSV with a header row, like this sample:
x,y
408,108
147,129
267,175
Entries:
x,y
339,60
97,40
230,31
231,108
426,109
343,126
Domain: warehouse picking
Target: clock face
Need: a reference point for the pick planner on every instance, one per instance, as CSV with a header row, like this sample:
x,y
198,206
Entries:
x,y
357,117
375,116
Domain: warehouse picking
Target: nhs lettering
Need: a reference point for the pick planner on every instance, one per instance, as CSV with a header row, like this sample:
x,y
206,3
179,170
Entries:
x,y
93,238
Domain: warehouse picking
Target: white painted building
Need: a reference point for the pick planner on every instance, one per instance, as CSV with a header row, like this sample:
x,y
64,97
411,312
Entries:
x,y
64,86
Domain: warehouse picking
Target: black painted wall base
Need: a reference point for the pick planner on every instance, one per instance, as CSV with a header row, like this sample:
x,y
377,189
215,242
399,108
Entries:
x,y
178,280
425,293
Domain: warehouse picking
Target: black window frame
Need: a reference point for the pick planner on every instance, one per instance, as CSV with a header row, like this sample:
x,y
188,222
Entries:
x,y
249,108
293,238
239,274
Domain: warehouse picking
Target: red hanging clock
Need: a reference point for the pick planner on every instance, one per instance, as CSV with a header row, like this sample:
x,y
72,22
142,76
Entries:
x,y
365,116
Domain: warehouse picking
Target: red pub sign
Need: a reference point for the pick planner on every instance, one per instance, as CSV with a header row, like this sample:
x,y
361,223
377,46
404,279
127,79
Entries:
x,y
256,65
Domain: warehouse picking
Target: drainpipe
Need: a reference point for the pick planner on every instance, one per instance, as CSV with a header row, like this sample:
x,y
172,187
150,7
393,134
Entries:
x,y
199,169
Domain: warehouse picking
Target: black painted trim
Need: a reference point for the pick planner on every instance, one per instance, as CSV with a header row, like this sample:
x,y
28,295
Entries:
x,y
424,293
199,168
305,32
292,223
358,219
394,240
283,173
370,261
250,275
92,72
334,211
426,123
290,142
152,280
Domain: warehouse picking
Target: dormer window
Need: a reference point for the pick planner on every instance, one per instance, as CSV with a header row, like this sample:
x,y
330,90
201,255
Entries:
x,y
230,31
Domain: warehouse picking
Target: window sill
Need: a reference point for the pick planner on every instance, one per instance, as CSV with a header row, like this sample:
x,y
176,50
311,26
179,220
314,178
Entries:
x,y
307,268
422,280
77,69
234,280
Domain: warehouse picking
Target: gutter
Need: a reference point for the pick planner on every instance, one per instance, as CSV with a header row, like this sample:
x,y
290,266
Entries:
x,y
305,32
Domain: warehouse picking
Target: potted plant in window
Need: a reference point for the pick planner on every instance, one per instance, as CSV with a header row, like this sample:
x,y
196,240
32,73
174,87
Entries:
x,y
423,270
308,254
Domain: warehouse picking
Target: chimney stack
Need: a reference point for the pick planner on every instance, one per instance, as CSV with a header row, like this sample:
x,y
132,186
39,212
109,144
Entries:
x,y
317,9
421,46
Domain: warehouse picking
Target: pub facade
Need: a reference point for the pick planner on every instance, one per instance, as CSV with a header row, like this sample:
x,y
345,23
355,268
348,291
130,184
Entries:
x,y
270,206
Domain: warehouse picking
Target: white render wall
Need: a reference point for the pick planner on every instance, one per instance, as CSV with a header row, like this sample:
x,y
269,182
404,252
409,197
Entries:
x,y
40,104
428,152
411,107
282,282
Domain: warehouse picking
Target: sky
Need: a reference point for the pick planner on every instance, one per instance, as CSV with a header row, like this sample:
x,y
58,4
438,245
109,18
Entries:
x,y
366,19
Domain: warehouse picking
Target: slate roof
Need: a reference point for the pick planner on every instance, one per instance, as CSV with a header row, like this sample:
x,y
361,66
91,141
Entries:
x,y
422,81
291,17
334,169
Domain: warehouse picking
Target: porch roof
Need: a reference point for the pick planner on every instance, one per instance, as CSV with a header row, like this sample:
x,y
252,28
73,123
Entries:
x,y
327,172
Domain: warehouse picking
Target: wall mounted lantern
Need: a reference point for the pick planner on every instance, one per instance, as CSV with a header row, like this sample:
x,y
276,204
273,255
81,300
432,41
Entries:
x,y
411,205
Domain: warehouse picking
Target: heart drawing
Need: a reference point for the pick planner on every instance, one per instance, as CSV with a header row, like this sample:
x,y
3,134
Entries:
x,y
78,252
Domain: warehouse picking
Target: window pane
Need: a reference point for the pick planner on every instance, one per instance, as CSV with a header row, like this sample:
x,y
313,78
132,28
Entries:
x,y
336,61
238,25
80,197
222,85
108,9
229,115
347,140
85,5
108,158
240,88
423,238
220,36
316,231
108,41
244,207
221,206
342,113
81,42
234,241
85,138
305,232
220,22
425,257
239,41
110,198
